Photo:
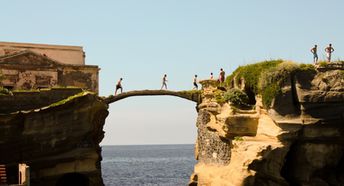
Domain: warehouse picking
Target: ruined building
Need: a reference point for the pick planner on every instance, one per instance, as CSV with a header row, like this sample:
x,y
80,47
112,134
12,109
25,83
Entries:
x,y
27,66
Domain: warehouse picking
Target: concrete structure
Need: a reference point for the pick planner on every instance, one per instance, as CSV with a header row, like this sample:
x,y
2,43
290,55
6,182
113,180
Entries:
x,y
33,66
64,54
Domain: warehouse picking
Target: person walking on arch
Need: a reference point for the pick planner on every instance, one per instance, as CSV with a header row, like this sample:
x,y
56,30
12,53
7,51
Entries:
x,y
329,51
119,86
222,76
195,83
315,54
164,82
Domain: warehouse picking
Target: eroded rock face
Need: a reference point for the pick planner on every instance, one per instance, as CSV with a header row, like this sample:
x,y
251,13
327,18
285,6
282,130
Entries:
x,y
299,141
60,142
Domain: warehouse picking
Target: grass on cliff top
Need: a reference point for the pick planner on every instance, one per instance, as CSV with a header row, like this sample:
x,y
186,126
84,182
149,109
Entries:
x,y
266,78
64,101
251,73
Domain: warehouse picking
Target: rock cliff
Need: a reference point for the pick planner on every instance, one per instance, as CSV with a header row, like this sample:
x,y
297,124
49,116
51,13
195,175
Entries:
x,y
274,123
56,133
297,139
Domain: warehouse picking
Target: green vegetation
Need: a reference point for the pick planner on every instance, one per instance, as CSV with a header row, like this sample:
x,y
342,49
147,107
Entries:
x,y
70,98
265,78
251,73
238,138
307,68
64,87
271,80
219,97
322,63
4,91
236,97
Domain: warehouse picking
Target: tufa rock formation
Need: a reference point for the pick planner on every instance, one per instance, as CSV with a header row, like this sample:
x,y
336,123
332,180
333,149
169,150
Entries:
x,y
272,123
298,139
55,132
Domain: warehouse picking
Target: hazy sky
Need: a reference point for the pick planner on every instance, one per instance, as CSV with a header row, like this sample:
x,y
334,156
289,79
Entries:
x,y
143,39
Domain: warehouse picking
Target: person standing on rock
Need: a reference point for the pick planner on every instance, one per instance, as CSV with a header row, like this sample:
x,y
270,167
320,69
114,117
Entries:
x,y
195,83
164,82
315,54
211,76
222,76
119,86
329,51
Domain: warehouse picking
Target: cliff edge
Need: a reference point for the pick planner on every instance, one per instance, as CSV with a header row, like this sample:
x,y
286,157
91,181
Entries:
x,y
56,133
272,123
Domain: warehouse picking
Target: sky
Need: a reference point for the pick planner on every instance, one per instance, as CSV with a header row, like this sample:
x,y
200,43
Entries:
x,y
140,40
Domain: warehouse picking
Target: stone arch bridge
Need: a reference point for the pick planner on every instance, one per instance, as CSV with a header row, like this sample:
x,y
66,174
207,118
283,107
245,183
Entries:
x,y
192,95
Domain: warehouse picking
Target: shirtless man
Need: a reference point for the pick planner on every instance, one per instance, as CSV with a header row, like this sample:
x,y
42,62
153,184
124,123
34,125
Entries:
x,y
119,86
315,54
329,51
222,76
164,80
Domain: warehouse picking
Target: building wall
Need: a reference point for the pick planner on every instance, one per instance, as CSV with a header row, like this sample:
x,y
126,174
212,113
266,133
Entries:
x,y
64,54
85,77
28,79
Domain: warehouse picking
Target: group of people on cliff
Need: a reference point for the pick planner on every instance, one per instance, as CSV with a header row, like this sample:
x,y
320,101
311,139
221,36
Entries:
x,y
221,79
328,50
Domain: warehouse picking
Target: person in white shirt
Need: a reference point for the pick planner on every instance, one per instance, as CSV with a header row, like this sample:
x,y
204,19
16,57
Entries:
x,y
195,82
164,80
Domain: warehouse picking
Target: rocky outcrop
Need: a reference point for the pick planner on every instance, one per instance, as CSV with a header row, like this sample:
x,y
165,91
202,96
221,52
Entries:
x,y
58,141
298,140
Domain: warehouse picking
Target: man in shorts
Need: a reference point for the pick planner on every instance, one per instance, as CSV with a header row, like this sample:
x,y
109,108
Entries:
x,y
315,54
119,86
222,76
329,51
164,80
195,82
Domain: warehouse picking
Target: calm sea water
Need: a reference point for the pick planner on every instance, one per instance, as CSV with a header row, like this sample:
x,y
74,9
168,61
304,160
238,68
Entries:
x,y
147,164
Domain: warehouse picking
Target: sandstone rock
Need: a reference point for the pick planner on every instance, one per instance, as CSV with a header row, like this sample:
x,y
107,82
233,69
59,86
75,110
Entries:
x,y
55,140
299,141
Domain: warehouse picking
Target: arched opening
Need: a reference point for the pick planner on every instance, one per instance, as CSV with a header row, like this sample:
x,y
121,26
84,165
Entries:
x,y
251,96
73,179
139,133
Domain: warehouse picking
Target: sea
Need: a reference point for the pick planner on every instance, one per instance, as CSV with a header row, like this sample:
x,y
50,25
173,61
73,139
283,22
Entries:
x,y
147,165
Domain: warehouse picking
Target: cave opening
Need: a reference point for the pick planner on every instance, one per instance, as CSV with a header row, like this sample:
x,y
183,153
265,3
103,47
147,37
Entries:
x,y
251,95
288,167
73,179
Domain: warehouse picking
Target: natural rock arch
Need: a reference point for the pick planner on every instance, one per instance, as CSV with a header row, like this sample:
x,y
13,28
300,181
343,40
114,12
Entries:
x,y
194,96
